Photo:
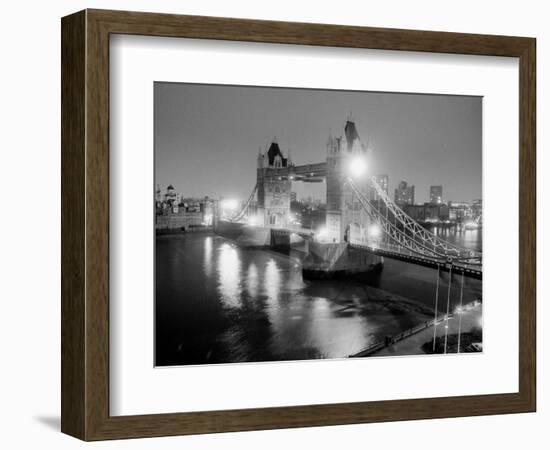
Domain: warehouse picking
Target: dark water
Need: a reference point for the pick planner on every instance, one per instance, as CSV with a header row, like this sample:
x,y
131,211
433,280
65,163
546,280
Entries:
x,y
219,303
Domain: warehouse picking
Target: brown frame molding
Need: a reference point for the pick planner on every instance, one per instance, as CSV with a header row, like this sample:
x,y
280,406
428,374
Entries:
x,y
85,224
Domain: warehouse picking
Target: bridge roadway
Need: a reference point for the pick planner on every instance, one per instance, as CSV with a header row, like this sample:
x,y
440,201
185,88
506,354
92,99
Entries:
x,y
403,254
399,253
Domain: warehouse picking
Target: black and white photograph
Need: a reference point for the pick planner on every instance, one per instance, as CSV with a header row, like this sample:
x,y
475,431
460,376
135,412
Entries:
x,y
303,224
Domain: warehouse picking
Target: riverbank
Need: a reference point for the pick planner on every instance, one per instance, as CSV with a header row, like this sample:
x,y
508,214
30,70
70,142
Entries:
x,y
183,230
420,341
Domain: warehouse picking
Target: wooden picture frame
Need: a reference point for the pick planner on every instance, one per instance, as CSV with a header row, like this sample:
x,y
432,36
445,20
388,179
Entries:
x,y
85,224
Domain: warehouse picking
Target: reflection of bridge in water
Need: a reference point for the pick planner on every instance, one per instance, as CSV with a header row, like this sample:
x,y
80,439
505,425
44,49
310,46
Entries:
x,y
363,225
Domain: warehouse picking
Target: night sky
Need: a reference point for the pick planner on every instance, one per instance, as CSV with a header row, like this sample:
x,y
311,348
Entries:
x,y
207,137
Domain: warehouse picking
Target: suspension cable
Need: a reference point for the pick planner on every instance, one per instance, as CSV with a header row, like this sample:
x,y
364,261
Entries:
x,y
416,240
414,227
400,237
244,210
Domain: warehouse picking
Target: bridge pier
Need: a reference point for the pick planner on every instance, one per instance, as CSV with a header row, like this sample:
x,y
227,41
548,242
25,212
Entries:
x,y
255,236
321,260
280,240
333,260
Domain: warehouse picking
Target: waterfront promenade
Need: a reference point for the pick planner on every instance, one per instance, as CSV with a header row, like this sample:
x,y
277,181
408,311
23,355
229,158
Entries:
x,y
412,345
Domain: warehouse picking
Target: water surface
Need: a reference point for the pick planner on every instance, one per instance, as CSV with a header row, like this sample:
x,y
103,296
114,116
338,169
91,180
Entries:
x,y
219,303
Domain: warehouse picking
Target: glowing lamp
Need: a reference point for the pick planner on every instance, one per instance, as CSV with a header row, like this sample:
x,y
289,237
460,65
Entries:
x,y
374,231
229,204
357,166
322,233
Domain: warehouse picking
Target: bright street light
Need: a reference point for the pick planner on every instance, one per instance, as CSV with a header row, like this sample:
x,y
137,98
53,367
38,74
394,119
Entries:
x,y
229,204
374,231
322,233
357,166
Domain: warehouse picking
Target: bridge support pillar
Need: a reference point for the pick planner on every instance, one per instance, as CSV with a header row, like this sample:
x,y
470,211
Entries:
x,y
330,260
280,239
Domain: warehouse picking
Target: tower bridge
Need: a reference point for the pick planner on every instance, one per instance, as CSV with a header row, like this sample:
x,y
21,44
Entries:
x,y
359,232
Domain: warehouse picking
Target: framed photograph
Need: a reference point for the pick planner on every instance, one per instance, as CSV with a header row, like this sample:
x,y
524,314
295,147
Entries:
x,y
272,225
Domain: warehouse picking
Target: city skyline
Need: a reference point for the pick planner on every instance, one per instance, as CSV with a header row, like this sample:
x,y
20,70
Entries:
x,y
310,198
442,135
306,197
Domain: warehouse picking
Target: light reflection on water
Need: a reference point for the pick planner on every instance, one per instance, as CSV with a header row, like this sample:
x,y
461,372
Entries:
x,y
208,255
466,238
272,281
253,305
252,280
228,269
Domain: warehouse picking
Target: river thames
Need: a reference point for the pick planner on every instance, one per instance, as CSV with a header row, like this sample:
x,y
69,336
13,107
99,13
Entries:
x,y
220,303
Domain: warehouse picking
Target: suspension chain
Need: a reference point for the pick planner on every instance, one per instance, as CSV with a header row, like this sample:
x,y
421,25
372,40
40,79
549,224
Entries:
x,y
412,236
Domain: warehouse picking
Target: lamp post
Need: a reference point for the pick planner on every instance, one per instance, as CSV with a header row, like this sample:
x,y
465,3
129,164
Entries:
x,y
448,304
460,311
435,307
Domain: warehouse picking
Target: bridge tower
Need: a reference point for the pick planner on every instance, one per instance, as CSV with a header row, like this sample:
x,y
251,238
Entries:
x,y
273,190
345,216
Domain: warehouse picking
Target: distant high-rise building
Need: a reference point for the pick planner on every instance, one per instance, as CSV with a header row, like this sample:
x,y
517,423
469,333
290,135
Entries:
x,y
436,194
404,194
383,182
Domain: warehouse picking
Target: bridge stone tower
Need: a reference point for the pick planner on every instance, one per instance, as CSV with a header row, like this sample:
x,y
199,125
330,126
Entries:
x,y
344,213
273,207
